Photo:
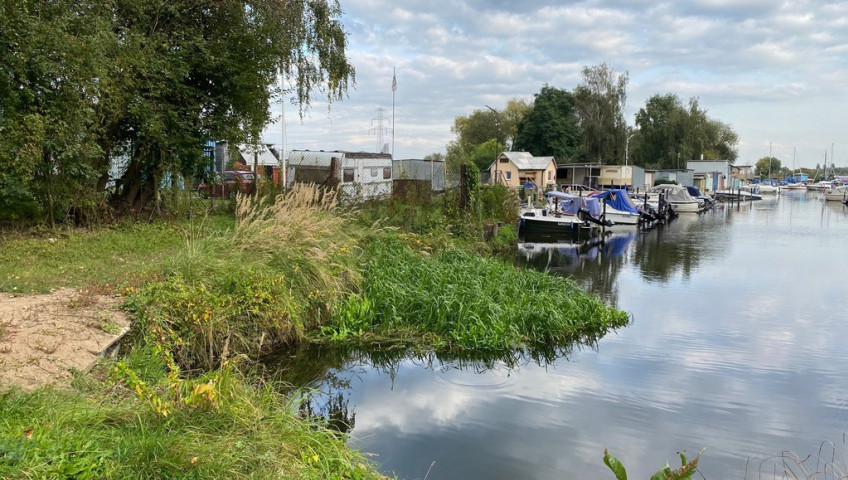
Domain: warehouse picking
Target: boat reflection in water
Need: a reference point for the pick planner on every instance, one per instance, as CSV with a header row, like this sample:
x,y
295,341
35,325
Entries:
x,y
569,254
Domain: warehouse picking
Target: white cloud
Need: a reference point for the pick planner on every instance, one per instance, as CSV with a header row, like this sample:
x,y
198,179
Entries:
x,y
754,65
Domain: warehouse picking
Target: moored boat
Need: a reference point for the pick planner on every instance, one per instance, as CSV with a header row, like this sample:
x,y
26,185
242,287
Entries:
x,y
678,197
563,214
837,194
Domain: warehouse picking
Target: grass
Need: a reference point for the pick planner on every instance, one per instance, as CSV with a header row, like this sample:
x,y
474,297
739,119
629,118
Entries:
x,y
456,300
113,255
105,430
211,292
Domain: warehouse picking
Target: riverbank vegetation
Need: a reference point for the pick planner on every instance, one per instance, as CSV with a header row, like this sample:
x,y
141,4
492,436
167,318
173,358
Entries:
x,y
211,293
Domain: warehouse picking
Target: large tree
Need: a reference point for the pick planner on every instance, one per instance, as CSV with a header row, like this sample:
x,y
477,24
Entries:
x,y
483,134
550,127
53,57
193,70
767,166
84,82
671,133
599,102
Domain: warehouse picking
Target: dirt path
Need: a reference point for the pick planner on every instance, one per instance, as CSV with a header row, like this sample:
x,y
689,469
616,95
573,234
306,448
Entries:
x,y
44,337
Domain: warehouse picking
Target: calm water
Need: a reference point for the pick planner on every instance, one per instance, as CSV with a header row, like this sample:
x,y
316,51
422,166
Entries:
x,y
739,345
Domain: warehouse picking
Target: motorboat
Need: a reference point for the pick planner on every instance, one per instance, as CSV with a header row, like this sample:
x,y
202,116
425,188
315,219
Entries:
x,y
764,187
619,208
837,194
705,201
678,197
562,214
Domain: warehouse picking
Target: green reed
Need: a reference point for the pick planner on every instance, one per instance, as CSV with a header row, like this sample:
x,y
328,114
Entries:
x,y
459,300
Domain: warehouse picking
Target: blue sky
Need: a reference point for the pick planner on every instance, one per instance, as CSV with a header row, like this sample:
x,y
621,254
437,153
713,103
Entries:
x,y
777,72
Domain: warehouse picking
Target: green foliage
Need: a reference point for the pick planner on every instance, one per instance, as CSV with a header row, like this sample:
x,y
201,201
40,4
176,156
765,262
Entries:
x,y
460,301
482,156
767,166
685,472
599,102
483,134
84,83
551,127
670,133
279,272
247,431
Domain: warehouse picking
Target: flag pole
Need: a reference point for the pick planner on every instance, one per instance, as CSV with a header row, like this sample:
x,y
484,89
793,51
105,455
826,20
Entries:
x,y
394,88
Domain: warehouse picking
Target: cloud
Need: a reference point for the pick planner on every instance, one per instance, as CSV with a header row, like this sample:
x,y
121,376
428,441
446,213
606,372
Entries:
x,y
454,57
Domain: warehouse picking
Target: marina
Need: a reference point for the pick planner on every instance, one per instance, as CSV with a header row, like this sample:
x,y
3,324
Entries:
x,y
735,347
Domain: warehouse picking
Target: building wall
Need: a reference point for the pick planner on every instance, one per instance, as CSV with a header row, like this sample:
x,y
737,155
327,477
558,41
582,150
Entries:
x,y
505,173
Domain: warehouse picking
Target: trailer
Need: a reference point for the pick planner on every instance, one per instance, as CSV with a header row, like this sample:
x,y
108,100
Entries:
x,y
358,176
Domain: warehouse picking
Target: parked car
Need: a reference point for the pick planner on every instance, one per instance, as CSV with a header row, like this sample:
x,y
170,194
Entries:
x,y
227,184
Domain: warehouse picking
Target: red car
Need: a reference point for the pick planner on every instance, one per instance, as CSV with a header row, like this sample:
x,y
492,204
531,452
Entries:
x,y
227,184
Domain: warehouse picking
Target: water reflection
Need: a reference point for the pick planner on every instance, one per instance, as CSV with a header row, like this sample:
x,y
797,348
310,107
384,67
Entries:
x,y
737,345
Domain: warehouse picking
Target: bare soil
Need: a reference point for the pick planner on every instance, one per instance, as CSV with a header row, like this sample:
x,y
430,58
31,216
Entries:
x,y
44,338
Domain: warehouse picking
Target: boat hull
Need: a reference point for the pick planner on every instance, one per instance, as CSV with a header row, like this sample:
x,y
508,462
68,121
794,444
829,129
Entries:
x,y
550,226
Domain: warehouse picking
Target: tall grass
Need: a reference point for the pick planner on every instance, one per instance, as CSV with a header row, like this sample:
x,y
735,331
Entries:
x,y
458,300
280,271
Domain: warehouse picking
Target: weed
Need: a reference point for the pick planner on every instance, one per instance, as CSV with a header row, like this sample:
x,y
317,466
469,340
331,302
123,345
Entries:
x,y
46,347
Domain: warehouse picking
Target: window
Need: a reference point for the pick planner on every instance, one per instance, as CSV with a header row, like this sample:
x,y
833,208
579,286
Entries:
x,y
387,172
373,172
504,160
549,175
509,175
347,175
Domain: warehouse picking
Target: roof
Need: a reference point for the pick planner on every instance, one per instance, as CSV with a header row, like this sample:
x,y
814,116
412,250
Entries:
x,y
264,155
526,161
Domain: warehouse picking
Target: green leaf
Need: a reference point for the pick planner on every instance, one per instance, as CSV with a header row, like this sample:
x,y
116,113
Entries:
x,y
663,474
614,465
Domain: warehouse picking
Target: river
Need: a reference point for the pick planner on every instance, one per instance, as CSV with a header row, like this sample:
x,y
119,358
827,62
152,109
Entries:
x,y
737,346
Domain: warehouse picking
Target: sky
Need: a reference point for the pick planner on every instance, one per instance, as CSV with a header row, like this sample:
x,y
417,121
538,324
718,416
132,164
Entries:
x,y
776,72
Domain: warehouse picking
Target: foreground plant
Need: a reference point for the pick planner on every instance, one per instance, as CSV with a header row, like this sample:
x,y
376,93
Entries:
x,y
685,472
221,427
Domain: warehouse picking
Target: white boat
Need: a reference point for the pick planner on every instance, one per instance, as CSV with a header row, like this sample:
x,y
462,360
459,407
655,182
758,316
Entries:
x,y
796,186
678,197
563,214
764,187
619,208
838,194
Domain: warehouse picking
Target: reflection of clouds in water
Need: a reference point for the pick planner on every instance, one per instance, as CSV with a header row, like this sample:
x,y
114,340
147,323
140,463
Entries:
x,y
745,357
434,400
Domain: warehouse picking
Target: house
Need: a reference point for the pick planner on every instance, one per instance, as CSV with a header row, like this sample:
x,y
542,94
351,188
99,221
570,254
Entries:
x,y
358,175
518,168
